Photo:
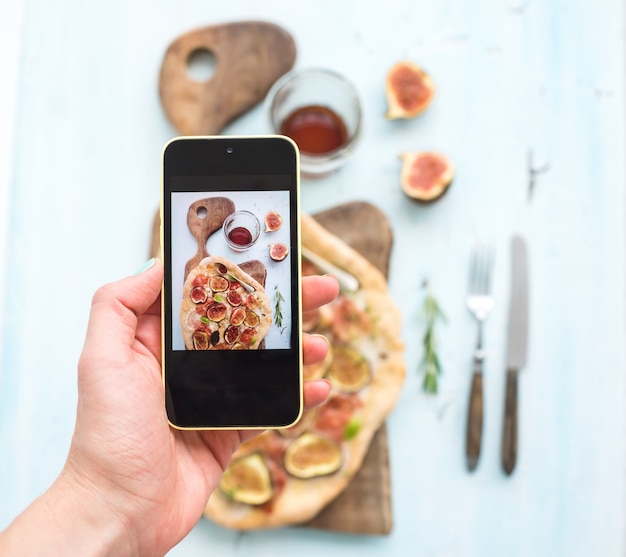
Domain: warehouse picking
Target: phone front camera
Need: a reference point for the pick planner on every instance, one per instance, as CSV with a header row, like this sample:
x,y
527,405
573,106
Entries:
x,y
229,150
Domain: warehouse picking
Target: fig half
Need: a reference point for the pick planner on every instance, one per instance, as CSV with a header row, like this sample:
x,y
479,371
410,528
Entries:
x,y
425,176
247,480
409,91
312,455
279,251
200,341
349,370
273,221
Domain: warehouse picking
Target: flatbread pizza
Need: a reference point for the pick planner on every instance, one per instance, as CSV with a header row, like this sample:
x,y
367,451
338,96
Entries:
x,y
287,476
223,308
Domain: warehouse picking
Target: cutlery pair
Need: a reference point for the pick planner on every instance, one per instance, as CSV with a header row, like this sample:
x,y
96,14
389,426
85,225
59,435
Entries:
x,y
480,303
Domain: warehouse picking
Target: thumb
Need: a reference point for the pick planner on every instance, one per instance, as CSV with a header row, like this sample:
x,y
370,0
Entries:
x,y
116,307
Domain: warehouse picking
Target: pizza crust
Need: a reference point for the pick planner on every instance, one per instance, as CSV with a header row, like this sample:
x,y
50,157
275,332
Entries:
x,y
300,500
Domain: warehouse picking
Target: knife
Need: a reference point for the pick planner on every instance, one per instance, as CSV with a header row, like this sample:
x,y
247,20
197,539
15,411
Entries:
x,y
516,349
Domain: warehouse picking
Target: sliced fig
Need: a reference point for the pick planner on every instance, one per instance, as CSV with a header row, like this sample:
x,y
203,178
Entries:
x,y
279,251
312,455
409,91
216,311
237,316
273,221
425,176
231,334
247,480
200,341
219,284
252,319
234,298
221,268
198,295
349,370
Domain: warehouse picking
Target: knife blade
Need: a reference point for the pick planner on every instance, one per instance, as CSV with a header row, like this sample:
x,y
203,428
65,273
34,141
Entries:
x,y
517,348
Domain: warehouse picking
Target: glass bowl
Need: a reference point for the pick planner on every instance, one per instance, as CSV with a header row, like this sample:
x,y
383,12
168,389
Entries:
x,y
330,100
241,230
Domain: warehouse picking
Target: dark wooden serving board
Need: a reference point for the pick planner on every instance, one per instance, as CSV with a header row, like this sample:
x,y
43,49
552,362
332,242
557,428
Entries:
x,y
364,507
250,56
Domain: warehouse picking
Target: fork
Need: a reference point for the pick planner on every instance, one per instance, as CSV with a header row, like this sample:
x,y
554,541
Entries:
x,y
480,303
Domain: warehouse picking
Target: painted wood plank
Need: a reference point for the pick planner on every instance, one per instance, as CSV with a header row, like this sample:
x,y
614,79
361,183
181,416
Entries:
x,y
512,77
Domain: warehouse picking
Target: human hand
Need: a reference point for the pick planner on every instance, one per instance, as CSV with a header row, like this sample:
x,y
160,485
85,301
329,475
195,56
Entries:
x,y
137,484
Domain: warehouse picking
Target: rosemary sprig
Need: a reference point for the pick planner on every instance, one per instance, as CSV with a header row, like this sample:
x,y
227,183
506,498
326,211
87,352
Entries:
x,y
278,310
430,363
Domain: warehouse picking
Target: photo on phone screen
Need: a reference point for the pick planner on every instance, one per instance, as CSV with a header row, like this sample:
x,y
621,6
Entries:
x,y
239,296
231,308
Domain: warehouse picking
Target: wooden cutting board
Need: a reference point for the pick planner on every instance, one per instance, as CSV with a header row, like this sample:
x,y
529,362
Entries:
x,y
364,507
250,56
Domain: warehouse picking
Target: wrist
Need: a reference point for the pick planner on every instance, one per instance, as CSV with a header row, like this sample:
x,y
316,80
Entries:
x,y
71,518
97,527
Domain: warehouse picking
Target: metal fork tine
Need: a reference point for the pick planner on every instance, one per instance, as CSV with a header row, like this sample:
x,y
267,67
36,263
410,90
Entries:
x,y
481,271
489,269
474,282
476,270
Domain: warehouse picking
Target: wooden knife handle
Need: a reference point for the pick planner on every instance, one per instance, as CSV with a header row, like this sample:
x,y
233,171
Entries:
x,y
474,419
509,439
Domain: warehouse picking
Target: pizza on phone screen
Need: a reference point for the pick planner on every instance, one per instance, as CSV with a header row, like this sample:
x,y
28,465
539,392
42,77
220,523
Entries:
x,y
287,476
223,308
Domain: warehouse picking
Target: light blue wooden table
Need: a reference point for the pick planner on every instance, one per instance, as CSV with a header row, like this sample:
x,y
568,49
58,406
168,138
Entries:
x,y
82,129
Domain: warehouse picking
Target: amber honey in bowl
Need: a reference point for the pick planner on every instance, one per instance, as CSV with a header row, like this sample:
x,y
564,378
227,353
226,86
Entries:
x,y
316,129
240,236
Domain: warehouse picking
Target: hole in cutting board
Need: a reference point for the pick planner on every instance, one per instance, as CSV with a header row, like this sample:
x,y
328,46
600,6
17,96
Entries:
x,y
201,65
201,212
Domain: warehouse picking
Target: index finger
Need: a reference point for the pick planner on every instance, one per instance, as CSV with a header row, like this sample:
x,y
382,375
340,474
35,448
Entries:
x,y
318,290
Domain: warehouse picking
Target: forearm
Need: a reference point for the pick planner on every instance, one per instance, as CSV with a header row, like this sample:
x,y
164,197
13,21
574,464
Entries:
x,y
66,520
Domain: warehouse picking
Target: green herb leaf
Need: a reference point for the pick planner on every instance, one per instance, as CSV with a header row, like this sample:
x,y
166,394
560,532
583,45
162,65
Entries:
x,y
352,429
204,319
278,312
218,298
431,312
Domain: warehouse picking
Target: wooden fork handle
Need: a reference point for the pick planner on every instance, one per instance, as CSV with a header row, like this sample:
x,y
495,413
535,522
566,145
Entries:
x,y
474,436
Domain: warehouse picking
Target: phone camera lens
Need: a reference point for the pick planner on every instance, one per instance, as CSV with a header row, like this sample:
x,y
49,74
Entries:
x,y
229,150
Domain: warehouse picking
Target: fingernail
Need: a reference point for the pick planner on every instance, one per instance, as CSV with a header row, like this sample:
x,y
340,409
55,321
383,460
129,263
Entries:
x,y
318,335
145,266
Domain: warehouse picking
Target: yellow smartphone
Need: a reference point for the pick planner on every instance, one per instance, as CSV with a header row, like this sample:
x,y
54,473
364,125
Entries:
x,y
231,309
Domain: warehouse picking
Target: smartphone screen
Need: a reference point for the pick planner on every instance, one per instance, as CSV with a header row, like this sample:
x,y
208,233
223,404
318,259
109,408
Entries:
x,y
231,293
